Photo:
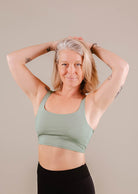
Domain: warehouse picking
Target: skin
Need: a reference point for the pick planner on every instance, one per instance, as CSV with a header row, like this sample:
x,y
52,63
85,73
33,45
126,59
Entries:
x,y
65,54
52,157
109,78
70,66
27,60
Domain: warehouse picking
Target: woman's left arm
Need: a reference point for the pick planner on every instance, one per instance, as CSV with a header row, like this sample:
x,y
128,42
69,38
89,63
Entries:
x,y
110,58
111,87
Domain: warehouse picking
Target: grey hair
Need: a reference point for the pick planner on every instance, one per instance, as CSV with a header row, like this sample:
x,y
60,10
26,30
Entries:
x,y
90,81
71,44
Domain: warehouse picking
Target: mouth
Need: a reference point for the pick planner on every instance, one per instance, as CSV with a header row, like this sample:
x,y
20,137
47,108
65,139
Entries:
x,y
71,78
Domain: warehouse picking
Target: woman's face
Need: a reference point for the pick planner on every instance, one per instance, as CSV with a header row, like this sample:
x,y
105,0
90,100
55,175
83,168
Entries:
x,y
70,67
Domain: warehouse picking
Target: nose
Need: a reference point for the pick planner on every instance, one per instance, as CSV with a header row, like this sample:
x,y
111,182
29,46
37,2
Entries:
x,y
71,68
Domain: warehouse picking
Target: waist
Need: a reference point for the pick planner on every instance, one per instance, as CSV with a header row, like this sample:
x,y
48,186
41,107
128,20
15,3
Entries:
x,y
54,158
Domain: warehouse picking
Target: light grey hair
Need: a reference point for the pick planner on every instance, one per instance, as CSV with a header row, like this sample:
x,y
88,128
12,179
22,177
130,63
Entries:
x,y
90,81
71,44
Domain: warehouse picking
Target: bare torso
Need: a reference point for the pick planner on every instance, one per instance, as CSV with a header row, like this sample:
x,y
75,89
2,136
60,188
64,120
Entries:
x,y
54,158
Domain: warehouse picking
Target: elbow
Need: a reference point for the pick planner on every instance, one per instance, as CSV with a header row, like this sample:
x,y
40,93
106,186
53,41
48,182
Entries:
x,y
125,70
122,70
124,67
121,67
8,56
9,59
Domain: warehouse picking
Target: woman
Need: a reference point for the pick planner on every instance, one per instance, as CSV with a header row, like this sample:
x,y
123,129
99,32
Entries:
x,y
66,118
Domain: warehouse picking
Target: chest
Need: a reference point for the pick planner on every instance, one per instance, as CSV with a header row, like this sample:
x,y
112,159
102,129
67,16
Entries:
x,y
68,106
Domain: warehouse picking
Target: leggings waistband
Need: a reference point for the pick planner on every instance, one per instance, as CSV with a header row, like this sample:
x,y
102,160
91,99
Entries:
x,y
74,173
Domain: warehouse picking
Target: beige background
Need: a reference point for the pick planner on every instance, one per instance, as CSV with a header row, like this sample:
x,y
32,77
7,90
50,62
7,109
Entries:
x,y
111,155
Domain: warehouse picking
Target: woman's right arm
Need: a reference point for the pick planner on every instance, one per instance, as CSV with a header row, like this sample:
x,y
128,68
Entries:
x,y
29,53
26,80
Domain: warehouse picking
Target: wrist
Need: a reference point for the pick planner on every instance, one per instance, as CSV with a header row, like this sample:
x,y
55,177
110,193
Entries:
x,y
93,47
52,46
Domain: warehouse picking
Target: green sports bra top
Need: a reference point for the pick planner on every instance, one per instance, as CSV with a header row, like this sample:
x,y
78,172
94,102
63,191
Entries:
x,y
69,131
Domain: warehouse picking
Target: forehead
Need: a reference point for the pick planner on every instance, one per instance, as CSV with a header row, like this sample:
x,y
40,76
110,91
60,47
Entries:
x,y
69,55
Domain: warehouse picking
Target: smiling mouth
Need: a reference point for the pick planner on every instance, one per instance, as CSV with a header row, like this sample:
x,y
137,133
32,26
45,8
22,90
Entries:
x,y
70,78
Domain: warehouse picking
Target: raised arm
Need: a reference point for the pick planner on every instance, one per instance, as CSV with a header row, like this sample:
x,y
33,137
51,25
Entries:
x,y
111,87
29,53
27,81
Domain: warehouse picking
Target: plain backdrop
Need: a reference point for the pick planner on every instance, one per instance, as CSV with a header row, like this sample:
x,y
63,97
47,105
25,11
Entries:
x,y
111,155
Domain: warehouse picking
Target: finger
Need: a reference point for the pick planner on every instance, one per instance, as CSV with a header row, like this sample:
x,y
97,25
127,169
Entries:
x,y
75,37
80,38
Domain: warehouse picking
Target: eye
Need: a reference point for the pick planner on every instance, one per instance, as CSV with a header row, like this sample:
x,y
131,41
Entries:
x,y
78,64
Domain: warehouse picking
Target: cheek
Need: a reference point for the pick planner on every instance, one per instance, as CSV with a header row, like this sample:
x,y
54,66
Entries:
x,y
61,71
81,72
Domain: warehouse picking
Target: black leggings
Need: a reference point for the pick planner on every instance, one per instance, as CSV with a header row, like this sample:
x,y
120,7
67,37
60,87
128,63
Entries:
x,y
73,181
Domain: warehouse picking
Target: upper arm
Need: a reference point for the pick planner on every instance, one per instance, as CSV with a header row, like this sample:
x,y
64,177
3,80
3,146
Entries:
x,y
27,81
110,88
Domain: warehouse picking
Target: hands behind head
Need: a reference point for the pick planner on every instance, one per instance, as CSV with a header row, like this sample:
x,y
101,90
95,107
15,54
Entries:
x,y
80,38
54,43
75,37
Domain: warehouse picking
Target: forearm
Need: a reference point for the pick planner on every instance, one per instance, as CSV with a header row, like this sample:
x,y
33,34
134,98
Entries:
x,y
29,53
108,57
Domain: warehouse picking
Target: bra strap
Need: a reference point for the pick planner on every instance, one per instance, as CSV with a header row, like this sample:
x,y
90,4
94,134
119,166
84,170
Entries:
x,y
44,99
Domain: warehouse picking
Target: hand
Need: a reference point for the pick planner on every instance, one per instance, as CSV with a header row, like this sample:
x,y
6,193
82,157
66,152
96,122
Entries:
x,y
54,44
88,44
